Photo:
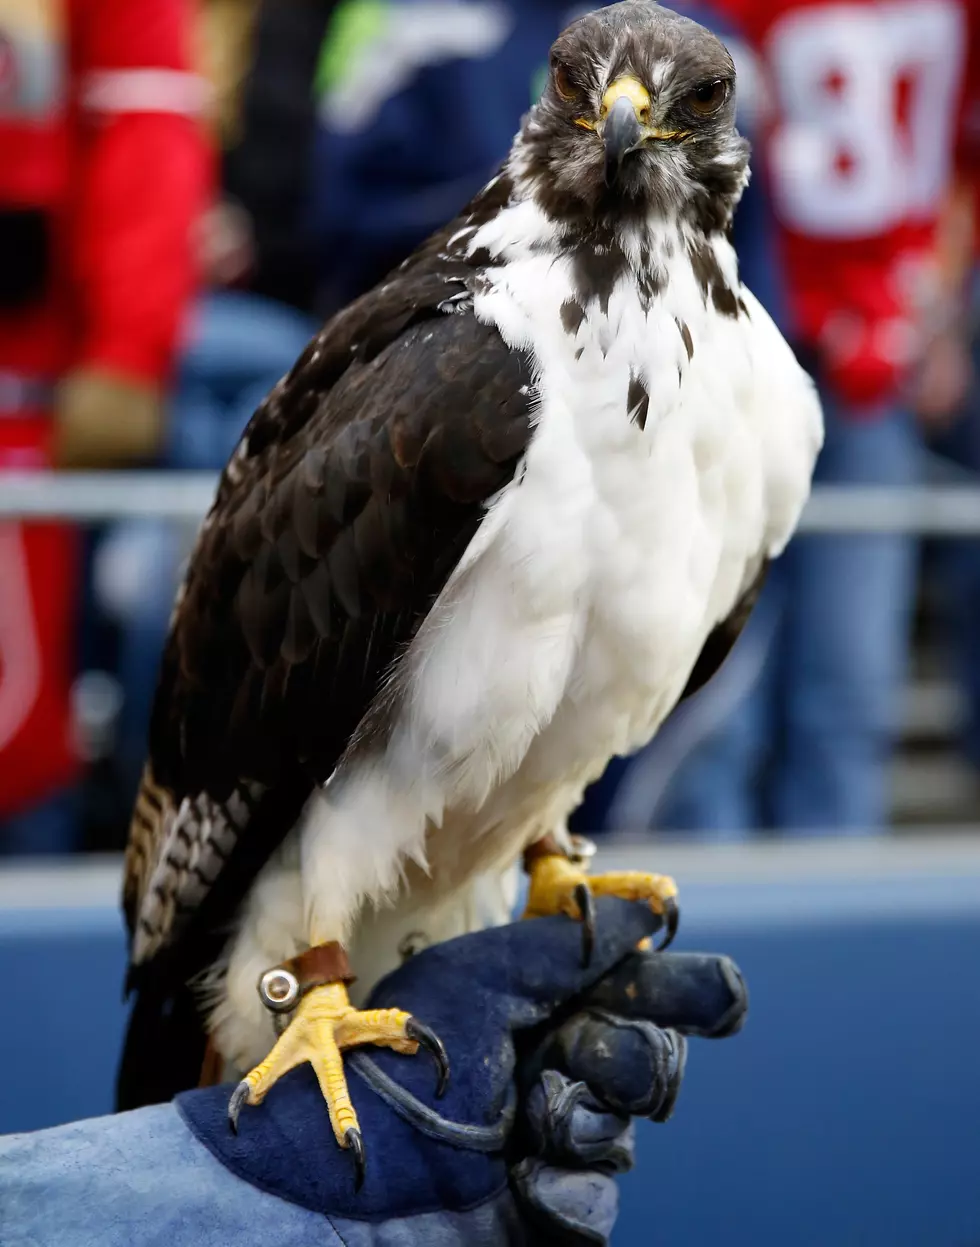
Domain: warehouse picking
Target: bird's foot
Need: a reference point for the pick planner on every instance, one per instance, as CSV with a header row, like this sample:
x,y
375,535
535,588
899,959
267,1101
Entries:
x,y
323,1025
561,885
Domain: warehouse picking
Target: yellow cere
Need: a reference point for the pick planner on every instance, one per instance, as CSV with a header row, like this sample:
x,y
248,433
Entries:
x,y
634,91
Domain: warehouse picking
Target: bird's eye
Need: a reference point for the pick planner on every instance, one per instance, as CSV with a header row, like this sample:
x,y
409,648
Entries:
x,y
707,97
564,83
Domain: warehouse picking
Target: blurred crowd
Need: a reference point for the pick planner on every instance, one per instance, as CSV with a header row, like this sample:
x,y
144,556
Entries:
x,y
188,190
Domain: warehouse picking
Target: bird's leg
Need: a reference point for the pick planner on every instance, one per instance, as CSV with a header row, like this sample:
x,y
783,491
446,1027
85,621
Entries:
x,y
308,995
561,884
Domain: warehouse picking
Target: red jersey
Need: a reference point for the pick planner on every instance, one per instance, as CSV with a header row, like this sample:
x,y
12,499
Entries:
x,y
104,172
865,103
96,99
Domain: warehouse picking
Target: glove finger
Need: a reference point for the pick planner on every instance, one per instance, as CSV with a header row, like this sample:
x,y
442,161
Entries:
x,y
631,1066
570,1127
570,1207
695,993
511,977
483,991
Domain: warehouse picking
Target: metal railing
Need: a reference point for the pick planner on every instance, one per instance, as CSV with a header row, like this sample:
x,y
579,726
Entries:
x,y
92,497
937,510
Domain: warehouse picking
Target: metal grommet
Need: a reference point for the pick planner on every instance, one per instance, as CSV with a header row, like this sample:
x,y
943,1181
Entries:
x,y
279,990
582,850
413,943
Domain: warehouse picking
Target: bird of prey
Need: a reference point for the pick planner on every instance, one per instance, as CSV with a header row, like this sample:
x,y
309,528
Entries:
x,y
504,512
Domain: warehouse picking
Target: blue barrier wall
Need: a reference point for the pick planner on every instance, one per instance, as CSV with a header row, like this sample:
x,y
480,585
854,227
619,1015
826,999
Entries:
x,y
847,1112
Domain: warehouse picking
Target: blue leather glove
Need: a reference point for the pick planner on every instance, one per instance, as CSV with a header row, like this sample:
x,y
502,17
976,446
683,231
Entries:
x,y
549,1062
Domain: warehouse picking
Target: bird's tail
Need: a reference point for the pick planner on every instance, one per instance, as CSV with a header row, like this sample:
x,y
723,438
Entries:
x,y
164,1048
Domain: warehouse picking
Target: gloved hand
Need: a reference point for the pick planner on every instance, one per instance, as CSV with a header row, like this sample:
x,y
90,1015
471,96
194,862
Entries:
x,y
106,420
549,1061
620,1055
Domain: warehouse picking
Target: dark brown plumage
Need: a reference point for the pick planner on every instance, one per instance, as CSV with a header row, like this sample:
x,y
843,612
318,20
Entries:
x,y
355,490
720,640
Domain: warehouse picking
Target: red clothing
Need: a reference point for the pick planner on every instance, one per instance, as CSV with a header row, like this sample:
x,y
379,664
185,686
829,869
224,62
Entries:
x,y
104,172
106,139
865,102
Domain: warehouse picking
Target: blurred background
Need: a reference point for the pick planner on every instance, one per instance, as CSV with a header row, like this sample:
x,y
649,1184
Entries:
x,y
186,191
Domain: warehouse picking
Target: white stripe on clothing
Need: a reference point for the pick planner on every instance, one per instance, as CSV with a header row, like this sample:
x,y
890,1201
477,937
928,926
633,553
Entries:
x,y
145,91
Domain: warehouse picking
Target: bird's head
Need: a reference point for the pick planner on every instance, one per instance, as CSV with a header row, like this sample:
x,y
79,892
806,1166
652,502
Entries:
x,y
637,117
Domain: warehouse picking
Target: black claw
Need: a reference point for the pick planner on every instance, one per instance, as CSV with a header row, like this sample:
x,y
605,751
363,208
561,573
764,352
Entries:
x,y
586,905
354,1141
672,918
429,1040
238,1097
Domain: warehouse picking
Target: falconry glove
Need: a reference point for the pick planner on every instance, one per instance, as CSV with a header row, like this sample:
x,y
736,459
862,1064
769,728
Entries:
x,y
550,1062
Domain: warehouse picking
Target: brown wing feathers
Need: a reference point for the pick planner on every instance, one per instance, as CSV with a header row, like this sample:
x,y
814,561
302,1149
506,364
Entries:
x,y
355,494
721,639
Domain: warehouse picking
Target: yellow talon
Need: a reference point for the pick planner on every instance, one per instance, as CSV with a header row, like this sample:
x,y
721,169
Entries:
x,y
313,1034
637,885
559,885
553,882
324,1025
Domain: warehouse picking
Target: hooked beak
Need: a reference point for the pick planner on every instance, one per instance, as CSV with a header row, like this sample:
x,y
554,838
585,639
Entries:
x,y
625,123
624,120
621,134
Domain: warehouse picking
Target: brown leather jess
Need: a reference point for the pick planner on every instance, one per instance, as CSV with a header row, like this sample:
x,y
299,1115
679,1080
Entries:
x,y
324,963
547,846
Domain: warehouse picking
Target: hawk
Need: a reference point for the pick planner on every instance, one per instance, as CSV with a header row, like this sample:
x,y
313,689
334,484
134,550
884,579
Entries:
x,y
504,512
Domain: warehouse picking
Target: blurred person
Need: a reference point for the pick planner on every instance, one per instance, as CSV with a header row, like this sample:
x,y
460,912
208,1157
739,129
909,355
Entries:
x,y
252,319
267,138
104,171
250,322
953,431
866,108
